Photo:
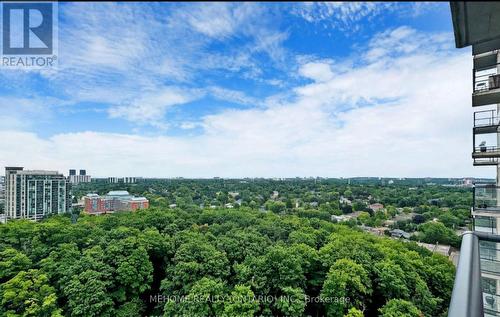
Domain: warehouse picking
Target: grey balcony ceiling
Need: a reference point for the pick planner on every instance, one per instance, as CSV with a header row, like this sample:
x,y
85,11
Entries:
x,y
475,22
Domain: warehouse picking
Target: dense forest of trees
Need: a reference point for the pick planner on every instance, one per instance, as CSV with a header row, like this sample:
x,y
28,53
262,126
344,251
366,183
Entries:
x,y
324,194
434,213
214,262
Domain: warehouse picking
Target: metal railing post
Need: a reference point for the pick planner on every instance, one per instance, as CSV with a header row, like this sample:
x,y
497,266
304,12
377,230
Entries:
x,y
473,196
473,80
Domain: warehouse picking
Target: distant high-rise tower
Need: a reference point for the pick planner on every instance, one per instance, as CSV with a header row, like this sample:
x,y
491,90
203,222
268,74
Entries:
x,y
35,194
82,177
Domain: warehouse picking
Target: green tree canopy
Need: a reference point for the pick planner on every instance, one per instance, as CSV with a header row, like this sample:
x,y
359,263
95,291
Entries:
x,y
346,279
399,308
29,294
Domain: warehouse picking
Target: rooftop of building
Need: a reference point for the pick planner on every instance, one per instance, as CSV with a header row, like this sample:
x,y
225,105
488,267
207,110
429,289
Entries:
x,y
138,199
21,171
118,193
39,172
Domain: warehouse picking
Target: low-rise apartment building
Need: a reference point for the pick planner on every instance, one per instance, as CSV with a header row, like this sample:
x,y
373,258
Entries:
x,y
114,201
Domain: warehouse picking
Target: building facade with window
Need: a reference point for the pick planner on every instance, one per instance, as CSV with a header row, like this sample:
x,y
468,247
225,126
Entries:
x,y
82,177
114,201
476,292
34,195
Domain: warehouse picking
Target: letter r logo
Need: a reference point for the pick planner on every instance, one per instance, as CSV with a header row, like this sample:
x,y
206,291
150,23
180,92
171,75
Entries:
x,y
27,28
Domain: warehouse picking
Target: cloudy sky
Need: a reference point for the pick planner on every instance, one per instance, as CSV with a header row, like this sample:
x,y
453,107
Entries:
x,y
237,90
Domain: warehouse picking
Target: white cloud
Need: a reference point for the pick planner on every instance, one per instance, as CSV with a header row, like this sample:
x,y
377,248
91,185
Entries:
x,y
398,115
317,70
405,40
150,107
342,14
121,55
218,20
345,16
188,125
22,113
233,96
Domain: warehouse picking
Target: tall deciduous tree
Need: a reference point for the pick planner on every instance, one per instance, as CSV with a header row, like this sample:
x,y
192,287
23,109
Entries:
x,y
242,302
347,285
29,294
11,263
399,308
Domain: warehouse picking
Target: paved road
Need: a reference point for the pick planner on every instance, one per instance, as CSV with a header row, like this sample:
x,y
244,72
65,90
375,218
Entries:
x,y
454,256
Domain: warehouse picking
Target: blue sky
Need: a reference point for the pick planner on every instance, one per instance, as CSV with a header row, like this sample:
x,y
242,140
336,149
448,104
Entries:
x,y
247,89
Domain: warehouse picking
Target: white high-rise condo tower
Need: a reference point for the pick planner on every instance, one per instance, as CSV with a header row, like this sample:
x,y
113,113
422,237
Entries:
x,y
35,194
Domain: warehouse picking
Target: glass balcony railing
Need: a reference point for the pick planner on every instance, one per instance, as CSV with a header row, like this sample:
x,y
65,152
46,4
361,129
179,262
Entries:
x,y
485,224
478,161
486,151
486,78
486,198
486,118
490,265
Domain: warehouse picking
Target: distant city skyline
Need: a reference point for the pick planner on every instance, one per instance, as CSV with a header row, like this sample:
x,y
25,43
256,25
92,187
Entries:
x,y
246,90
130,179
